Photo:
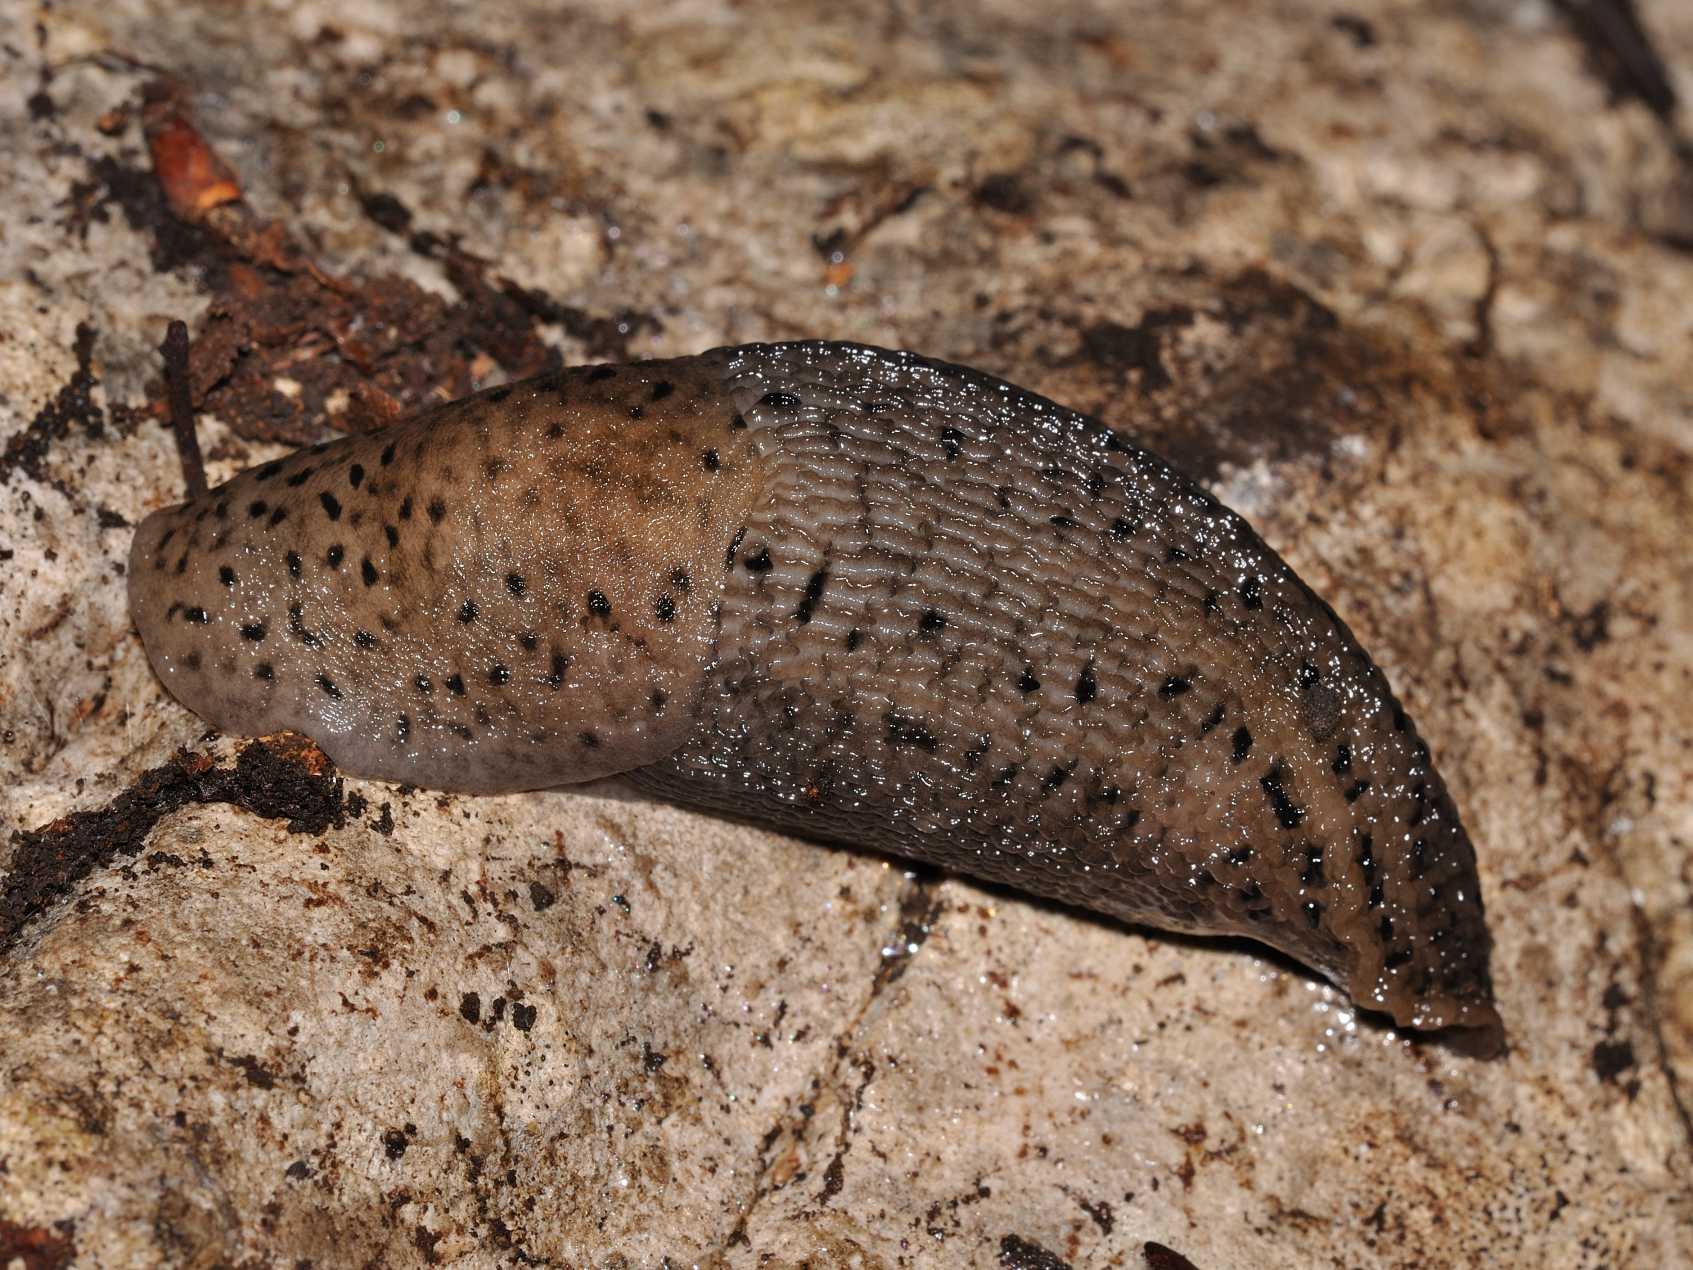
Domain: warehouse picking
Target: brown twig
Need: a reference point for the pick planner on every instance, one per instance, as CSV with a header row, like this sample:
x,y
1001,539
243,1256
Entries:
x,y
175,352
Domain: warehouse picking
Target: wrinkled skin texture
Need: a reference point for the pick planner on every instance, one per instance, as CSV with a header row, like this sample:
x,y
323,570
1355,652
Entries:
x,y
860,595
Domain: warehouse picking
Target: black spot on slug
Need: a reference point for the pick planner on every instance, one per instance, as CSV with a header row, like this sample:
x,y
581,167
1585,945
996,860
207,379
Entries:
x,y
437,511
933,622
1027,683
226,575
297,628
904,731
759,562
664,608
355,475
1173,686
779,400
455,684
254,631
331,505
813,595
598,605
1251,592
328,686
710,461
1087,686
367,571
1288,815
334,556
1242,743
468,611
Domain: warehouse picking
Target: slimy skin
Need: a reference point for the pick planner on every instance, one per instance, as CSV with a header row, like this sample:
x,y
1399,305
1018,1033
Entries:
x,y
859,595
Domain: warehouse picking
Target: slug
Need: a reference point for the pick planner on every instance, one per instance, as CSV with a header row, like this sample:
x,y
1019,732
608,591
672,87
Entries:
x,y
859,595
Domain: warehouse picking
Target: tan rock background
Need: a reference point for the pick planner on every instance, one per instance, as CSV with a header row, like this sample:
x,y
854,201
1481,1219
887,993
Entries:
x,y
1405,282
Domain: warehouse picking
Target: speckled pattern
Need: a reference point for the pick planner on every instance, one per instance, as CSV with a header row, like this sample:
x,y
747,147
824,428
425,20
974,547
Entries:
x,y
979,629
961,623
513,591
1398,282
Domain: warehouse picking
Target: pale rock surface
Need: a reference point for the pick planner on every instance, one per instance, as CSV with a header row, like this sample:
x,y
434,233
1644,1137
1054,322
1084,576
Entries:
x,y
1396,278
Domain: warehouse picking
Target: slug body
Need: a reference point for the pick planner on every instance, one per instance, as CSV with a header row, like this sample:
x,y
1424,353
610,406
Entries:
x,y
860,595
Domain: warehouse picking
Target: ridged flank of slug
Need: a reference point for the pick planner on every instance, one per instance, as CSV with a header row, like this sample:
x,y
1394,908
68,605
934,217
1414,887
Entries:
x,y
857,594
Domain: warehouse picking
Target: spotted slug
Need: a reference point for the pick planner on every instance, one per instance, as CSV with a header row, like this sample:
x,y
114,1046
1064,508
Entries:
x,y
859,595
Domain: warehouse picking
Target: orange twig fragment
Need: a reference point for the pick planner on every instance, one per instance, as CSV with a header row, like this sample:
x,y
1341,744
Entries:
x,y
193,178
